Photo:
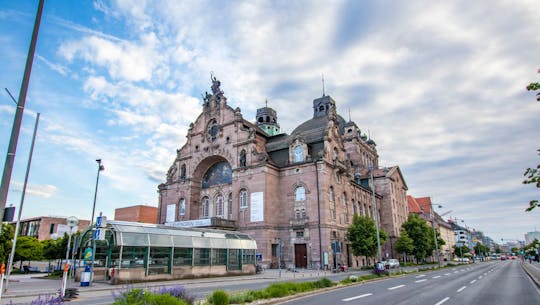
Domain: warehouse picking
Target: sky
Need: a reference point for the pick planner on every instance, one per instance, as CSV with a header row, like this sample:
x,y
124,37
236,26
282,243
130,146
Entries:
x,y
439,86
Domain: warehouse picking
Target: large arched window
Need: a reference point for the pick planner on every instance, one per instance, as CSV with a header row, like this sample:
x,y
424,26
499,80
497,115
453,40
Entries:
x,y
182,209
219,173
205,207
219,204
300,194
243,199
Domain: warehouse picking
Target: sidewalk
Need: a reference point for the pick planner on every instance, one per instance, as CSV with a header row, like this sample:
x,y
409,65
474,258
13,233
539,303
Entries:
x,y
26,287
533,269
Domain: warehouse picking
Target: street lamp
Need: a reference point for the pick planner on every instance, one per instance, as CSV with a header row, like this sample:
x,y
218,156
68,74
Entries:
x,y
100,168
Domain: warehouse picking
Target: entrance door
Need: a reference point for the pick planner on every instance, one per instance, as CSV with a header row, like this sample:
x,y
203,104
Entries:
x,y
300,255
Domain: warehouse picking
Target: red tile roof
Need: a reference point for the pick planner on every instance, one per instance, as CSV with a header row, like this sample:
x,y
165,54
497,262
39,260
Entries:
x,y
425,204
414,207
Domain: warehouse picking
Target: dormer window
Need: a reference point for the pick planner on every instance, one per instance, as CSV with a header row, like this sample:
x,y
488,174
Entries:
x,y
298,153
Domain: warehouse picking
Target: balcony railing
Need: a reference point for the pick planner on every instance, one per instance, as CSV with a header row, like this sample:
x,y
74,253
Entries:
x,y
222,223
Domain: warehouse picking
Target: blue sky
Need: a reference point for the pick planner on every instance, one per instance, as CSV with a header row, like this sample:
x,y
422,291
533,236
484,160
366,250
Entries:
x,y
439,86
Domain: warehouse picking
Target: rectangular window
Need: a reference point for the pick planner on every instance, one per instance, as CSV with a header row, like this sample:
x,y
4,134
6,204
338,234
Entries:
x,y
299,234
182,256
51,229
201,257
133,257
159,260
219,257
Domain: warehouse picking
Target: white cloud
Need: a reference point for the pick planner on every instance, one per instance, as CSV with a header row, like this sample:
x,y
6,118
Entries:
x,y
45,190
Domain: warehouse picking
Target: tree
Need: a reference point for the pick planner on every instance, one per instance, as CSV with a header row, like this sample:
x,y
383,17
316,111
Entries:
x,y
460,251
6,236
422,235
363,236
404,244
28,248
481,249
532,175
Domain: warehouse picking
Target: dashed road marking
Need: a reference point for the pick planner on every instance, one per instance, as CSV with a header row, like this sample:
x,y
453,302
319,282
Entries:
x,y
420,281
447,274
421,275
357,297
396,287
472,282
461,289
437,276
443,300
479,277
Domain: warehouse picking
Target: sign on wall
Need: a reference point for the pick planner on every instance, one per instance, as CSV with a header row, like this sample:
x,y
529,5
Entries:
x,y
257,207
171,209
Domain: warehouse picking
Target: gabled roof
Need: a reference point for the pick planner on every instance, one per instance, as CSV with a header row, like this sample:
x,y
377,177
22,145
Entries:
x,y
425,204
414,207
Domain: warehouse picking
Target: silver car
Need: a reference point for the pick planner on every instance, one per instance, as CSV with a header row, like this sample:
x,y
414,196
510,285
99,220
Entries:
x,y
392,263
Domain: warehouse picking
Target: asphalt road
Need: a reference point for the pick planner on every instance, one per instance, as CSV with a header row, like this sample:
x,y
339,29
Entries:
x,y
495,283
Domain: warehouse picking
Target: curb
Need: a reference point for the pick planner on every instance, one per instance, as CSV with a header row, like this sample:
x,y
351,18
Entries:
x,y
533,272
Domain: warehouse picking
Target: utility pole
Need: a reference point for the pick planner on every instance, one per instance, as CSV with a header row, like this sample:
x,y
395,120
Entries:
x,y
12,148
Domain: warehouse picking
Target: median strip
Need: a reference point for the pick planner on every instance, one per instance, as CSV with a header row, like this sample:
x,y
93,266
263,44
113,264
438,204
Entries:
x,y
357,297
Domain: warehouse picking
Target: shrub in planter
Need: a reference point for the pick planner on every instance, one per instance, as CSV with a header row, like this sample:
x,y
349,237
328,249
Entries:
x,y
219,297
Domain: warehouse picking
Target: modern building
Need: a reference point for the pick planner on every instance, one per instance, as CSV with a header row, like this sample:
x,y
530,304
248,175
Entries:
x,y
294,194
531,236
47,227
137,213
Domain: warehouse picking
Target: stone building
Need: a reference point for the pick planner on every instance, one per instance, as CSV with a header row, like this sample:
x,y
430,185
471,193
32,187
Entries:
x,y
47,227
295,194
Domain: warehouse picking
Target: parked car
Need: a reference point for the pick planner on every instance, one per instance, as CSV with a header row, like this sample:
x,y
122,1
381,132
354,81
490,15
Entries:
x,y
392,263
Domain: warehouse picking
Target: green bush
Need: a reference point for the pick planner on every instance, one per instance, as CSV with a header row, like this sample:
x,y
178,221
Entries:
x,y
219,297
139,296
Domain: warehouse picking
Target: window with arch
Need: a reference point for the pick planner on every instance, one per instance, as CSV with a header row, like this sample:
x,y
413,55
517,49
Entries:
x,y
332,202
183,171
243,199
219,173
243,158
182,209
300,194
205,207
331,195
229,206
219,204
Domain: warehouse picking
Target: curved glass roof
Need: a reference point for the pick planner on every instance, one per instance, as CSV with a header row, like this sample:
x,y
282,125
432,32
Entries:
x,y
141,234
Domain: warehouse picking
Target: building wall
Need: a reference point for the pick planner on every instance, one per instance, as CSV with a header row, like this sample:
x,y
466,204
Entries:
x,y
137,213
46,227
333,155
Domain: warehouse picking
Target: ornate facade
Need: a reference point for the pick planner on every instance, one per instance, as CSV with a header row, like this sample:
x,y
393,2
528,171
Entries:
x,y
295,194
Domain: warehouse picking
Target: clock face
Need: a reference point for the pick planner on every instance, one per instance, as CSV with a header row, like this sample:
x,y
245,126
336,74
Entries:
x,y
298,153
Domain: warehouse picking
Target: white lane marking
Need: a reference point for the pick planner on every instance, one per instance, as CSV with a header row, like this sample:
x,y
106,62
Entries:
x,y
437,276
456,271
443,300
447,274
472,282
420,281
396,287
421,275
480,277
461,289
357,297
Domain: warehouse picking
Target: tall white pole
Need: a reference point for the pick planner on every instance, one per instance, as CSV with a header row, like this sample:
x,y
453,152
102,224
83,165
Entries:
x,y
12,254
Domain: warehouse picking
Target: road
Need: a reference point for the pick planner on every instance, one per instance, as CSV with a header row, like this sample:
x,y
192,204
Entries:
x,y
494,283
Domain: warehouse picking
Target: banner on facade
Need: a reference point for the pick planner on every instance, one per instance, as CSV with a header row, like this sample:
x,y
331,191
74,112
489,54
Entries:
x,y
257,207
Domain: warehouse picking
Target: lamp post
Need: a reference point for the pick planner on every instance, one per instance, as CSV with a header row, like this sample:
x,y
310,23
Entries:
x,y
100,168
376,213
